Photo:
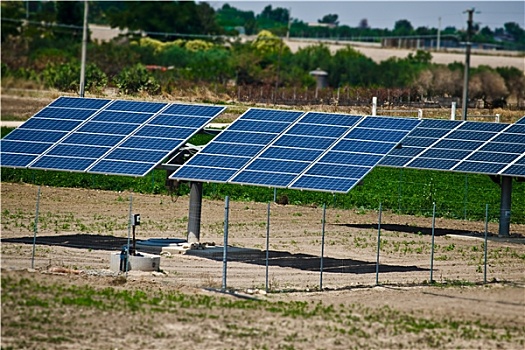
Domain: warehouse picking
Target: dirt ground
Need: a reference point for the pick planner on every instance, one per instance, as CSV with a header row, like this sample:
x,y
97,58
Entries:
x,y
79,229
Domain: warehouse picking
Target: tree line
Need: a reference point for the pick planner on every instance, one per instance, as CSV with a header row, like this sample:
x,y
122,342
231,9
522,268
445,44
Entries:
x,y
49,54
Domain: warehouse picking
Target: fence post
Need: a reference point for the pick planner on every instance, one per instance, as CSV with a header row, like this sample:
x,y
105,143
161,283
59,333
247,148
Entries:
x,y
485,245
267,244
497,118
322,249
419,114
129,232
225,248
453,111
35,230
432,244
378,244
374,105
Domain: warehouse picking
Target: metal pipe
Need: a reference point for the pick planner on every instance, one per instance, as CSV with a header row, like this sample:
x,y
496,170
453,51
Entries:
x,y
225,248
35,229
322,249
378,243
130,223
432,244
267,244
485,246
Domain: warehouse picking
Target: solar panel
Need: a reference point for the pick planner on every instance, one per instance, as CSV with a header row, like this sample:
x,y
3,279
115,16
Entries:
x,y
39,133
477,147
521,121
103,136
355,154
295,149
234,147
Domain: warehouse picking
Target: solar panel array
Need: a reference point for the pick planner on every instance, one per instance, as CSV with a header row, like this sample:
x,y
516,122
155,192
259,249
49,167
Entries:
x,y
463,146
314,151
103,136
521,121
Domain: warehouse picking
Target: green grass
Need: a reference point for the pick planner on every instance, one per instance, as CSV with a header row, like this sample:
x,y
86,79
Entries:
x,y
38,302
406,191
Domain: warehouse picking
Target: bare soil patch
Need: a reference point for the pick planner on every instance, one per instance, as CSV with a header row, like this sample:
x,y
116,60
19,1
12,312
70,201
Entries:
x,y
78,229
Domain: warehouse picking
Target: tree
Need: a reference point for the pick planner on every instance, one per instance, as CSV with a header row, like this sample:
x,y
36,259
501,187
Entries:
x,y
403,27
329,19
363,24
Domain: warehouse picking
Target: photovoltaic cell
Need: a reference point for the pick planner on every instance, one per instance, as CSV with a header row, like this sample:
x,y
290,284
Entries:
x,y
98,135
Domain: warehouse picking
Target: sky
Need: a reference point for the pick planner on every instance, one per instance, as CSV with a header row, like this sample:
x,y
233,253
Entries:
x,y
384,14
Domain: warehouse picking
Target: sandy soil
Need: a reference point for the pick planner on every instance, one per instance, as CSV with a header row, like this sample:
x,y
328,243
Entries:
x,y
79,229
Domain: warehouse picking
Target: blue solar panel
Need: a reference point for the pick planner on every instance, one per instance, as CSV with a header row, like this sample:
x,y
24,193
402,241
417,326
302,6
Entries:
x,y
521,121
180,121
76,134
77,102
65,113
445,154
514,170
242,140
50,124
492,157
136,106
304,129
62,163
265,178
24,147
14,160
518,129
78,151
122,117
193,110
121,168
325,184
34,135
274,152
479,167
107,128
304,142
359,146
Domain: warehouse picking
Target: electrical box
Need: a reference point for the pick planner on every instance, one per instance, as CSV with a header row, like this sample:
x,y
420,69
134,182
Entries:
x,y
135,220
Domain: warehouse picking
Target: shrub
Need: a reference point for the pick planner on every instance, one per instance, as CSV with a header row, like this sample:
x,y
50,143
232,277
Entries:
x,y
136,79
66,77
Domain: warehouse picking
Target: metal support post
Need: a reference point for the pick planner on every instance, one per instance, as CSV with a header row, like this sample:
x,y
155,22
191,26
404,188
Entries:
x,y
374,105
467,64
453,111
504,218
194,215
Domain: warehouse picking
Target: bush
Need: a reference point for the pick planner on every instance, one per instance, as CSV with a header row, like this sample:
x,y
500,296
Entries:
x,y
66,77
136,79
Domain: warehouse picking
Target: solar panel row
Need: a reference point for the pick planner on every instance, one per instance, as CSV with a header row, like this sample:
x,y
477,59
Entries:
x,y
471,147
103,136
315,151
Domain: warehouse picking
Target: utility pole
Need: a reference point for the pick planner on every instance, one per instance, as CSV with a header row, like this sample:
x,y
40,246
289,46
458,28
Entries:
x,y
467,63
439,35
289,23
84,44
